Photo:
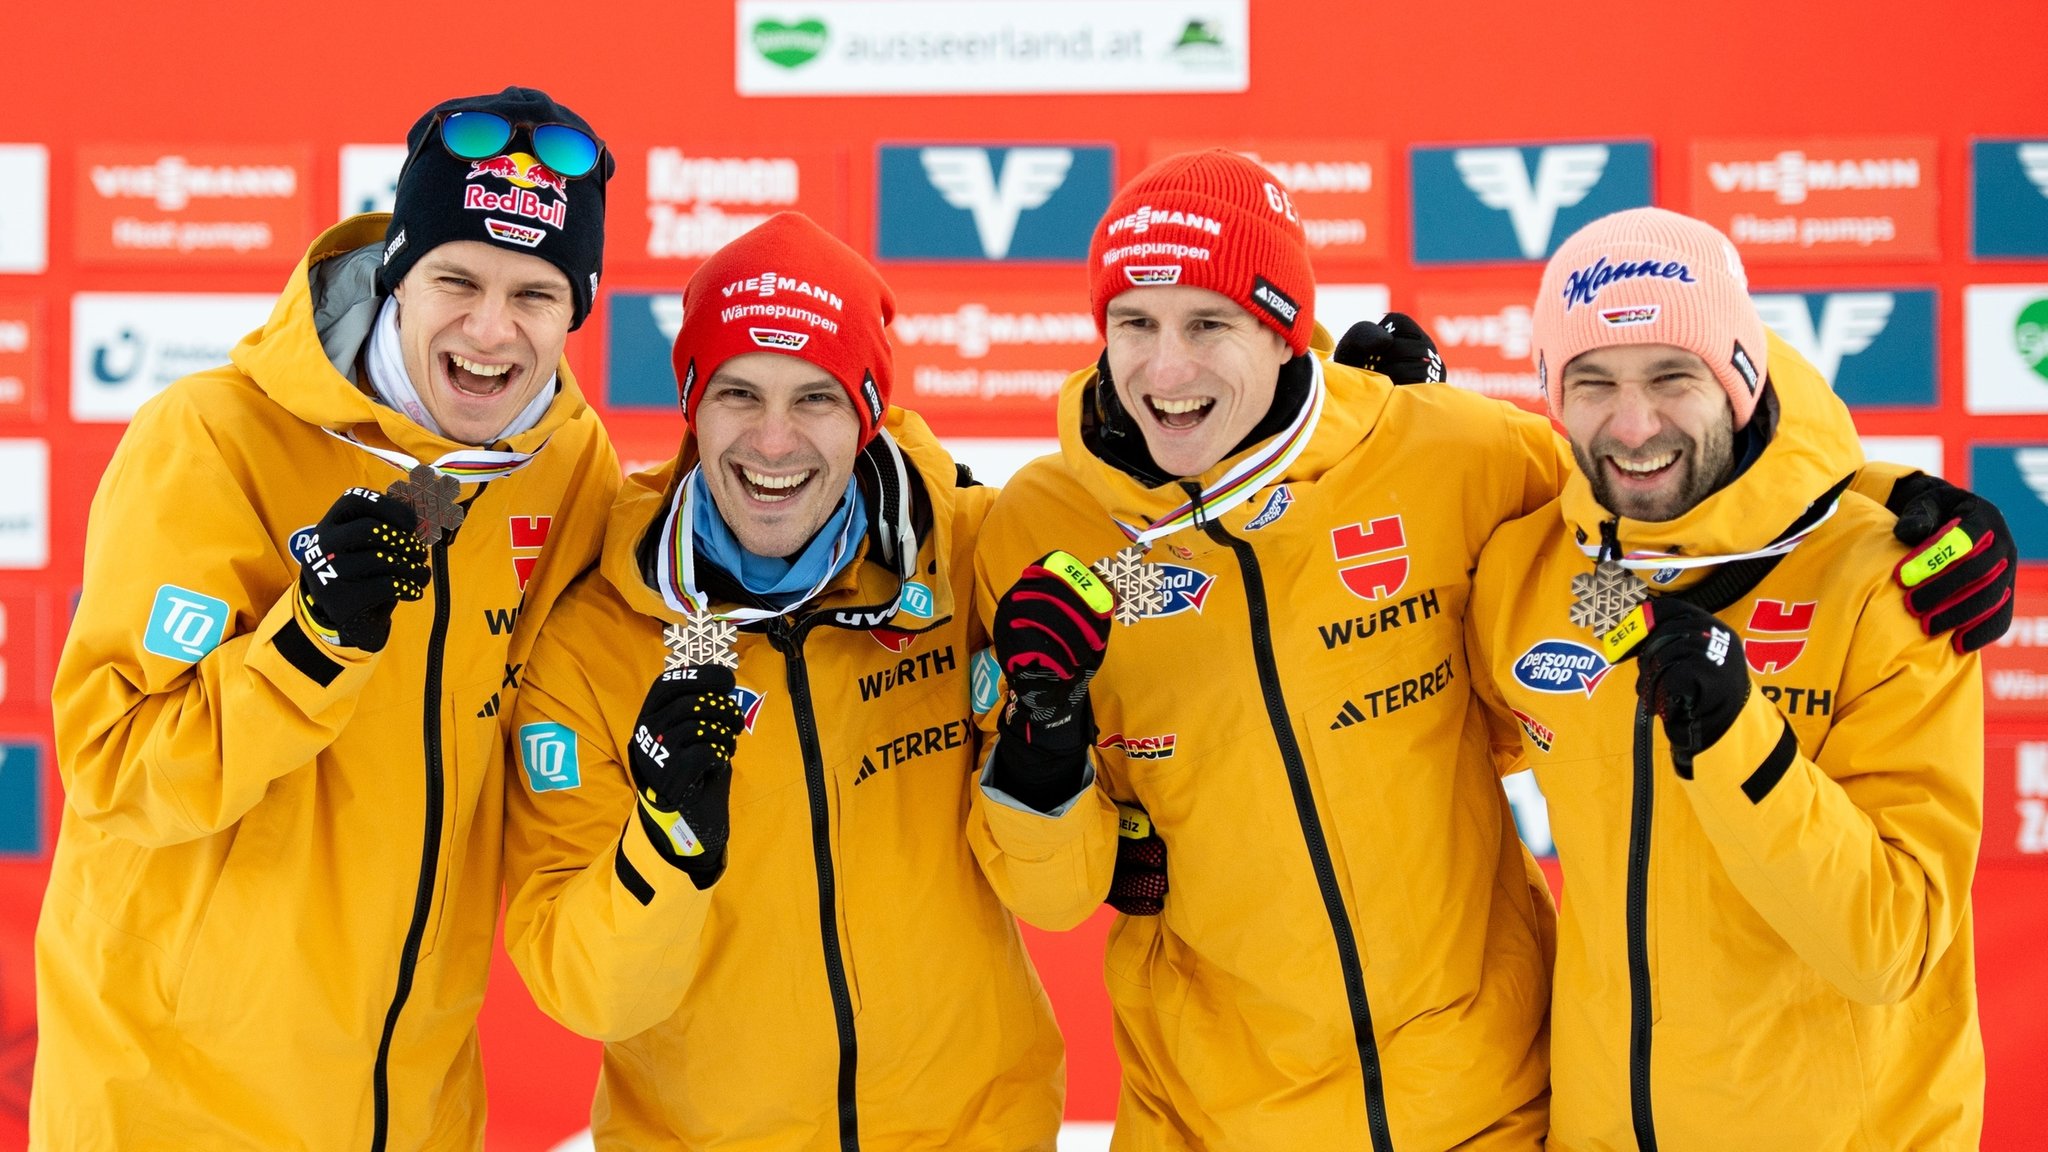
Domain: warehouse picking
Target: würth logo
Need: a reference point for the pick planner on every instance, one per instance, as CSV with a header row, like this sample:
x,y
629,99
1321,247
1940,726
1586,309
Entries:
x,y
1776,634
529,536
1369,557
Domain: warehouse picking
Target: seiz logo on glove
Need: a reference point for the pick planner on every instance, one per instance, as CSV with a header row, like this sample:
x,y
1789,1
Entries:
x,y
1959,576
1051,629
1138,886
681,761
357,565
1692,675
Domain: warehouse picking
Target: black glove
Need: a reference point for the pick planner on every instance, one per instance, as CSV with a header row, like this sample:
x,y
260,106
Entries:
x,y
1138,887
1969,595
357,563
1051,629
1692,674
681,760
1394,346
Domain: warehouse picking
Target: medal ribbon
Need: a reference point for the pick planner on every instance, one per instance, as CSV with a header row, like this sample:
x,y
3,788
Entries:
x,y
676,564
468,465
1658,562
1248,476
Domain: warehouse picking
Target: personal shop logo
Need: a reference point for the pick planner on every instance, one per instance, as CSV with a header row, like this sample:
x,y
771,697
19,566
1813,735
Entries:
x,y
983,203
1516,203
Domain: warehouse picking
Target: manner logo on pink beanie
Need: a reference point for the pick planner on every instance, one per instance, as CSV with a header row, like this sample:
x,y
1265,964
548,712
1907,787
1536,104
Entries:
x,y
1650,276
791,287
1212,220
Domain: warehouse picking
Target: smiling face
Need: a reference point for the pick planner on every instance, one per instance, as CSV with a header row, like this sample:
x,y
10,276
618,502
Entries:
x,y
778,437
1195,371
1651,427
481,329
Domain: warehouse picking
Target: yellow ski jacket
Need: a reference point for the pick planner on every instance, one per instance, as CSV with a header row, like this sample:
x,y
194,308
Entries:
x,y
269,918
1775,953
1354,951
851,981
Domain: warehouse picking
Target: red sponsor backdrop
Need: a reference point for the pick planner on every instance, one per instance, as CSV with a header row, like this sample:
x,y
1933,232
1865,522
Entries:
x,y
1819,201
258,86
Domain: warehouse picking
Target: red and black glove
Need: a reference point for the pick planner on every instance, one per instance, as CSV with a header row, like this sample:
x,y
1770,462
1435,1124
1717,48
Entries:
x,y
1692,674
1051,630
357,564
681,760
1138,887
1959,577
1394,346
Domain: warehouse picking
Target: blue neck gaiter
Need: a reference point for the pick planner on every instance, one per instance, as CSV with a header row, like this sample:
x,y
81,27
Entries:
x,y
780,582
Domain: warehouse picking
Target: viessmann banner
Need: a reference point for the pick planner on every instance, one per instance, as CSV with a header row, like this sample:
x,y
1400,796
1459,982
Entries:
x,y
940,47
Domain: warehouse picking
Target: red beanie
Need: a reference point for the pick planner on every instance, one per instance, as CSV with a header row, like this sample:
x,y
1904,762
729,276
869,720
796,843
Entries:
x,y
1212,220
789,286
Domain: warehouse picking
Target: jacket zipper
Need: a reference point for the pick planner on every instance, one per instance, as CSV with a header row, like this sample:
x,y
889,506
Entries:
x,y
1312,832
790,641
430,848
1640,808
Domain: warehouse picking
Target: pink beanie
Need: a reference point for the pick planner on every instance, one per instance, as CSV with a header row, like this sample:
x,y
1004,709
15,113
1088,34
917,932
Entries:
x,y
1650,276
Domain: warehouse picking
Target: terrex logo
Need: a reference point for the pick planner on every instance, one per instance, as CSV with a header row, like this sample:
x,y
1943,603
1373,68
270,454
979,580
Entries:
x,y
1560,666
1776,634
1368,557
1140,747
172,183
1849,321
529,535
963,202
971,330
1514,203
1790,174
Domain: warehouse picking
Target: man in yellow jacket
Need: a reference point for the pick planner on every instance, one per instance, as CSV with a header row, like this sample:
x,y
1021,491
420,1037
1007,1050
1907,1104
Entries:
x,y
736,853
312,577
1767,938
1346,946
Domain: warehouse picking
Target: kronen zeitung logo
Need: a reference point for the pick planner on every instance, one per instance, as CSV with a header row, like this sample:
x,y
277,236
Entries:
x,y
688,198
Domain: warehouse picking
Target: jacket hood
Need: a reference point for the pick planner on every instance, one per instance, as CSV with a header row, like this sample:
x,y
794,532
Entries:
x,y
303,357
1812,447
873,584
1353,402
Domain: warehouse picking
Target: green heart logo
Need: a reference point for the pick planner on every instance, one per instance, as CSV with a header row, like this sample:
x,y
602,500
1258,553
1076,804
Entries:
x,y
790,45
2030,336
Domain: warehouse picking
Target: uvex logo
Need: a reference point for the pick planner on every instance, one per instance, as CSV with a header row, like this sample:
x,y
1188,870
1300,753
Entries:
x,y
1367,558
1776,634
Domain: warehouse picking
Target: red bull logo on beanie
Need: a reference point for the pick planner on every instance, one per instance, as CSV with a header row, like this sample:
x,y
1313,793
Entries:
x,y
1586,283
525,174
1561,666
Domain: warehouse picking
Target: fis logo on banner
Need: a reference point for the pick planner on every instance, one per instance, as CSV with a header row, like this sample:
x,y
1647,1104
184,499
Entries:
x,y
2005,343
548,753
1876,348
2015,477
1511,203
2009,198
966,202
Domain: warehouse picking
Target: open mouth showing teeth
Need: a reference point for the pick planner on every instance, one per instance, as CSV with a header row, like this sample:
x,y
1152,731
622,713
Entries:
x,y
771,489
477,378
1179,413
1644,469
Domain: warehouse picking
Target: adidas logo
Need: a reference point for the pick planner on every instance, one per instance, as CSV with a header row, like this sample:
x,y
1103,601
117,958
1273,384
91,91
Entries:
x,y
489,709
1349,716
867,769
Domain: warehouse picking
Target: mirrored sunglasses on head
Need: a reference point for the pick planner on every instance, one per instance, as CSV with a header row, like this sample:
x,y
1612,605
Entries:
x,y
568,152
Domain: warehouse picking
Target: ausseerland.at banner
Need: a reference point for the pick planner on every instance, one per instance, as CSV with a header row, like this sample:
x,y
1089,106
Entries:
x,y
932,47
